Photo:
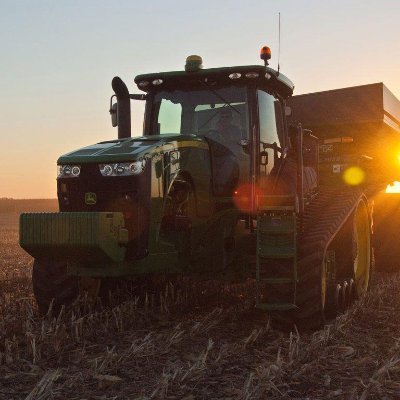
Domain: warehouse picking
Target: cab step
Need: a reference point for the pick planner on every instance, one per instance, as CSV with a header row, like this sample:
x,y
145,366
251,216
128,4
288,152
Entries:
x,y
276,306
276,253
276,281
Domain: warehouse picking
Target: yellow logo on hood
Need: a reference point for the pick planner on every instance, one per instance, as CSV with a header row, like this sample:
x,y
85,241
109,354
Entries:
x,y
90,198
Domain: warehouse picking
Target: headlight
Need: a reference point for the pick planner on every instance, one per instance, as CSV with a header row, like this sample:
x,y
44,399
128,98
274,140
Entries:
x,y
68,171
123,169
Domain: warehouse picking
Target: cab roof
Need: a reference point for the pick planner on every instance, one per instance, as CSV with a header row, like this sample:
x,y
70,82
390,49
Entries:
x,y
267,77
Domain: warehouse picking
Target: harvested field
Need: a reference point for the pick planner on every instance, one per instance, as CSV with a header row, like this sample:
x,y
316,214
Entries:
x,y
194,343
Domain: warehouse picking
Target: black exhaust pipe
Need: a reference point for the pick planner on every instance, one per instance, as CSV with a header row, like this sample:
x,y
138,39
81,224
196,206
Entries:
x,y
124,108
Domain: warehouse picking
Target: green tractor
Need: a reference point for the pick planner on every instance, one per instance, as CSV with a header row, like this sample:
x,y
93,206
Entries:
x,y
219,186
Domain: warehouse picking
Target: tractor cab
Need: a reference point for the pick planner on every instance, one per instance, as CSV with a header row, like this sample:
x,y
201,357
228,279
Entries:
x,y
238,111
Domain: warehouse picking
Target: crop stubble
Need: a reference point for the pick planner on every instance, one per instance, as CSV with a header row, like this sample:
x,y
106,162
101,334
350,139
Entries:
x,y
188,341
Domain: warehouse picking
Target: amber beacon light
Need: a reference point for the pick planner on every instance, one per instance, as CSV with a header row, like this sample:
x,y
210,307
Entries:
x,y
265,54
193,63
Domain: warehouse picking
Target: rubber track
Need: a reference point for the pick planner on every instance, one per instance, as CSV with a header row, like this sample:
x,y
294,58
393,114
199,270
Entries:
x,y
322,221
323,218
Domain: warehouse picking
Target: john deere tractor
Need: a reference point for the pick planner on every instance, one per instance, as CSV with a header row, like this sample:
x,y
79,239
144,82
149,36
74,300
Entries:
x,y
218,186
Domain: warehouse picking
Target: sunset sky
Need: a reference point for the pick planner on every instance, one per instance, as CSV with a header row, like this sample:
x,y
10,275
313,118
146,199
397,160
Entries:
x,y
58,59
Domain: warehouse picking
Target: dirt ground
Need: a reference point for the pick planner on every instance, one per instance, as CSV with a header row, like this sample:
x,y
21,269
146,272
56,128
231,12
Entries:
x,y
195,343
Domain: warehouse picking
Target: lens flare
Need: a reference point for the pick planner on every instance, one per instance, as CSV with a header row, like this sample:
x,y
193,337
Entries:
x,y
242,196
353,176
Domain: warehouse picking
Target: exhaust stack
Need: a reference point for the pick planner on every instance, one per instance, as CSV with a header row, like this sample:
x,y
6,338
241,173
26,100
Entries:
x,y
124,108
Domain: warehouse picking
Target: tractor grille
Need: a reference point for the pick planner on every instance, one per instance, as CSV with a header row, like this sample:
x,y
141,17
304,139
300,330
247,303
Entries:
x,y
127,194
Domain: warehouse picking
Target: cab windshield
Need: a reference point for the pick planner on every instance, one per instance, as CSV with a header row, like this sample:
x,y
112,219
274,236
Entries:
x,y
200,111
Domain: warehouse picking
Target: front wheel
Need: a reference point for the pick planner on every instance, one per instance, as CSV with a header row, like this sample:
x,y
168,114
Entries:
x,y
51,281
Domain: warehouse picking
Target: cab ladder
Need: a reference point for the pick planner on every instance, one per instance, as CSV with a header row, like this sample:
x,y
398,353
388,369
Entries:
x,y
276,254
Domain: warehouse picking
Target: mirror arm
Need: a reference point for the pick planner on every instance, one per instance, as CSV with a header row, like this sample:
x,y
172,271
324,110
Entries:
x,y
272,146
136,96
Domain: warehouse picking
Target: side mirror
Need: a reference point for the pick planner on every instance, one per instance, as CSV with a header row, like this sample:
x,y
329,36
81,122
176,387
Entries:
x,y
292,133
264,158
114,107
114,114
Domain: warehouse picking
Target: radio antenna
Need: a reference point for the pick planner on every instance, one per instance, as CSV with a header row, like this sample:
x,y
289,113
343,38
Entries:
x,y
279,40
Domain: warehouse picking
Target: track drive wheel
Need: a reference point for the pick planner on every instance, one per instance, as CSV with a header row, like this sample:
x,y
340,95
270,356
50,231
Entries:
x,y
51,281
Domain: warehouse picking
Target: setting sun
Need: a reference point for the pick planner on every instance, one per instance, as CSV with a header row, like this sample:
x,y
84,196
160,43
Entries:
x,y
394,187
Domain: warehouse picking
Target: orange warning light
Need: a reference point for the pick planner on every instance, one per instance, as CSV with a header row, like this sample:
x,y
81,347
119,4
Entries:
x,y
265,54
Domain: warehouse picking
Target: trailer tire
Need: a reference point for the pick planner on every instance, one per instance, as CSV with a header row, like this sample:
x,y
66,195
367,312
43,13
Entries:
x,y
386,236
386,256
52,285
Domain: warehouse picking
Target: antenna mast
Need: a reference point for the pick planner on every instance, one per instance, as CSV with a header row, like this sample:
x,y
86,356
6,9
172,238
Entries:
x,y
279,40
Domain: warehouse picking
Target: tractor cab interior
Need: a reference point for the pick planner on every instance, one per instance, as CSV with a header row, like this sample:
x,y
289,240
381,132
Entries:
x,y
221,117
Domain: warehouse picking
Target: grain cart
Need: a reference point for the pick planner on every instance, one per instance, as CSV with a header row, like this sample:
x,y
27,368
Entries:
x,y
360,127
218,186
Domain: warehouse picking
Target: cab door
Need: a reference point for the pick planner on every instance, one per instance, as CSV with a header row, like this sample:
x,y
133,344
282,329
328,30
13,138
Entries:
x,y
270,140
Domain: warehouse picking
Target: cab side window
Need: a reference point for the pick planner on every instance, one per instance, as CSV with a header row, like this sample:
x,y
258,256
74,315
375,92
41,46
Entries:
x,y
271,130
169,118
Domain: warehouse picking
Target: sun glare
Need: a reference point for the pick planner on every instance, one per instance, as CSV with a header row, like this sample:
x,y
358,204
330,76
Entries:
x,y
393,188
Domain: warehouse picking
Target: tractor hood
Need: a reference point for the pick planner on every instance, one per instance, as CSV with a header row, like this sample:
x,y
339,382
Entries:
x,y
130,149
